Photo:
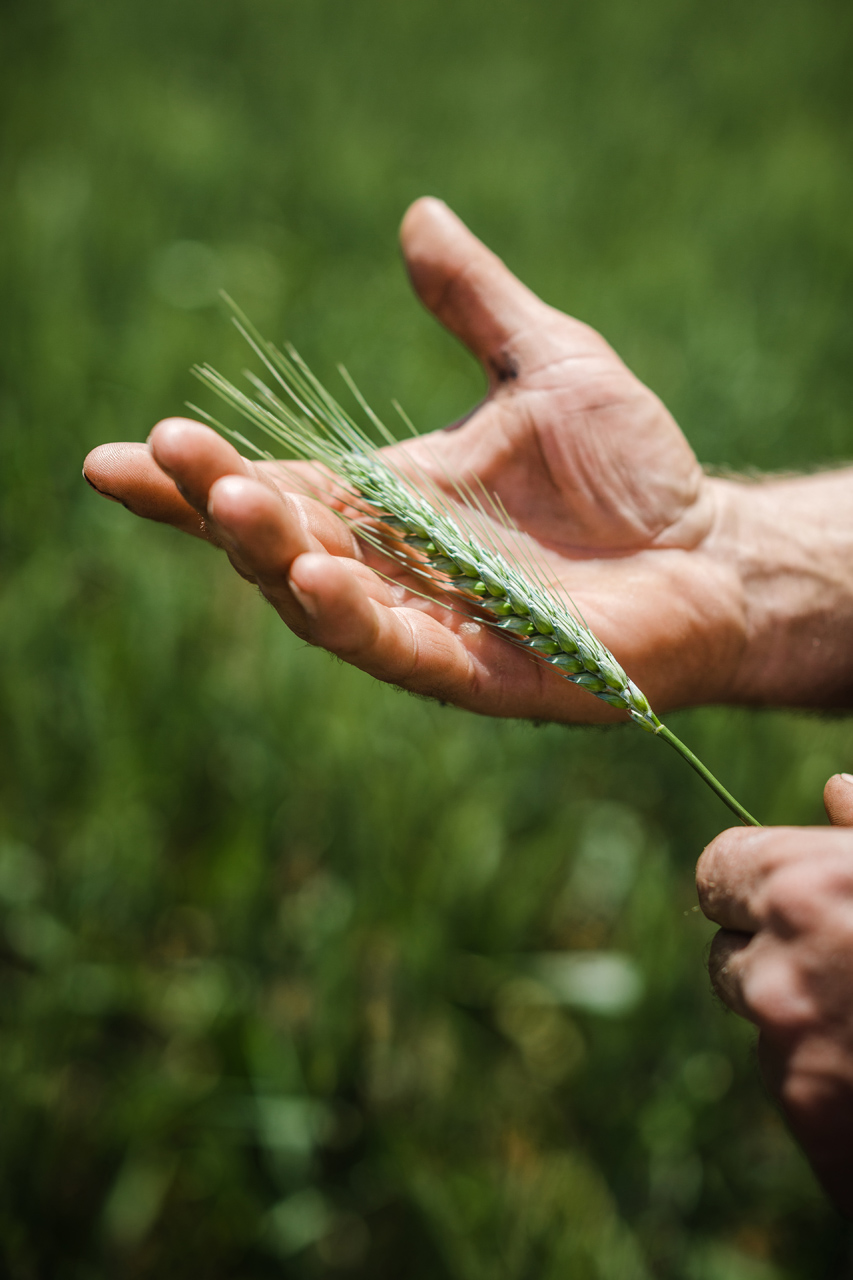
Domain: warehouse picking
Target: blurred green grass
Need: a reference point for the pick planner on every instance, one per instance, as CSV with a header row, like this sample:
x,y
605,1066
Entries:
x,y
273,995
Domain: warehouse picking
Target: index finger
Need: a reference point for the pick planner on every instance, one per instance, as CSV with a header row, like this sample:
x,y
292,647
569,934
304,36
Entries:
x,y
732,872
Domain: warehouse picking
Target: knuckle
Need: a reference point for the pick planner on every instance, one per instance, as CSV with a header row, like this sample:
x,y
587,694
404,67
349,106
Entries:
x,y
776,1002
801,895
801,1094
785,892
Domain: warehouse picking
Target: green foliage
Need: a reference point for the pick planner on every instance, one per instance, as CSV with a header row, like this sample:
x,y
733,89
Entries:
x,y
300,976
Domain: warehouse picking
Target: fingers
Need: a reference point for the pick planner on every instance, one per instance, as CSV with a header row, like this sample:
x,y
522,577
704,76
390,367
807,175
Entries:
x,y
358,617
195,457
168,479
732,870
781,895
302,556
761,979
725,966
333,600
264,531
838,800
283,543
128,474
471,291
746,877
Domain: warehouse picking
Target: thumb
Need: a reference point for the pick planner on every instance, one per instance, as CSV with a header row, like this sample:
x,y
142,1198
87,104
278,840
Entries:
x,y
838,799
471,291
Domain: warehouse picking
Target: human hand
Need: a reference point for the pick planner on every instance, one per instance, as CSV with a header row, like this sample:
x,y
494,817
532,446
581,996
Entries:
x,y
784,959
585,459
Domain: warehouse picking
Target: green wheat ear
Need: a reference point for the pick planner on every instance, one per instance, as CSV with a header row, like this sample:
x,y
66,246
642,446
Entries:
x,y
433,541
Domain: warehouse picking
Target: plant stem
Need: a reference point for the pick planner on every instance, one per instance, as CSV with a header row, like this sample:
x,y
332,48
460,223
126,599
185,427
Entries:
x,y
736,808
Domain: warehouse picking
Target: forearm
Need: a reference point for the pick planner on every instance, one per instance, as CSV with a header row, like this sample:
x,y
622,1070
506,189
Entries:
x,y
790,543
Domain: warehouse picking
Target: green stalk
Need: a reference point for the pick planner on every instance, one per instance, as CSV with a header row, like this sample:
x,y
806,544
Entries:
x,y
706,774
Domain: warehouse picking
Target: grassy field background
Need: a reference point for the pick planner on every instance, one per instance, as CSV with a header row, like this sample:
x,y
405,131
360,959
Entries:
x,y
274,1000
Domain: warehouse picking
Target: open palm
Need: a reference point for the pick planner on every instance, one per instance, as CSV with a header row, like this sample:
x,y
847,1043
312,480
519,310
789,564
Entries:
x,y
590,466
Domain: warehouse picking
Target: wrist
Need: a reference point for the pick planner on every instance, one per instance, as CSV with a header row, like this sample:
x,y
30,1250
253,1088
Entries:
x,y
789,544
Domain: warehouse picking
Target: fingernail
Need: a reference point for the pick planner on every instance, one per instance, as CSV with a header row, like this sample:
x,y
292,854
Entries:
x,y
109,496
308,602
848,777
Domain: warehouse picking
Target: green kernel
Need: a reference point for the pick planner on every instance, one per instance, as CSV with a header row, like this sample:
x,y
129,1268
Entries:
x,y
494,587
614,700
541,623
544,644
567,663
518,626
638,698
591,682
467,566
611,673
474,585
568,643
